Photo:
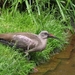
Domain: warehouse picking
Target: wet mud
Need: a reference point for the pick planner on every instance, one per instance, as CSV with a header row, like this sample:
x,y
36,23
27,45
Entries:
x,y
60,64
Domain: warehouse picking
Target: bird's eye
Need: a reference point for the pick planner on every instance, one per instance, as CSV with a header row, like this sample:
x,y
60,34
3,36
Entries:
x,y
46,33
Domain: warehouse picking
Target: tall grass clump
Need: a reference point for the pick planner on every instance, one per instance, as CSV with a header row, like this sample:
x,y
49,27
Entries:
x,y
54,26
13,63
23,22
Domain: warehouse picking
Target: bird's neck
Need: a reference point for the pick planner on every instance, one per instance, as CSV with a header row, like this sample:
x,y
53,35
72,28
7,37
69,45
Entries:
x,y
43,42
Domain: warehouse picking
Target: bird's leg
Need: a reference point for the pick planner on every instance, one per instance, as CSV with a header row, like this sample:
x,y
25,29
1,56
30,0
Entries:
x,y
27,55
13,44
31,50
28,47
26,52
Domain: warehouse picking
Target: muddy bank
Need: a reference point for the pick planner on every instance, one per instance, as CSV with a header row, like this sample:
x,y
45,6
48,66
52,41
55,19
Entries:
x,y
60,64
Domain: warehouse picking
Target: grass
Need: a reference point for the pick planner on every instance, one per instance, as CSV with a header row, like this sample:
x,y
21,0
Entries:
x,y
12,62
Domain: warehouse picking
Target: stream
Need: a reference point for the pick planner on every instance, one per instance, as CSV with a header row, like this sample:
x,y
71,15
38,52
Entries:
x,y
60,64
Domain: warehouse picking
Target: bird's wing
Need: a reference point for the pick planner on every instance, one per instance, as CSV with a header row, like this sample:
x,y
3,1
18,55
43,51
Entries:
x,y
24,41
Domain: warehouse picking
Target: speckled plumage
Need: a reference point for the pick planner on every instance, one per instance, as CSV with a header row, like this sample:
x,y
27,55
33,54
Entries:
x,y
29,42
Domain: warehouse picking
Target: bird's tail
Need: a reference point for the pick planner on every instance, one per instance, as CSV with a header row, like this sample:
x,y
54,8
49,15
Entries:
x,y
5,42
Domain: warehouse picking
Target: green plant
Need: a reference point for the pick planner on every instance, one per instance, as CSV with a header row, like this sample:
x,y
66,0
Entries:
x,y
23,22
48,22
13,63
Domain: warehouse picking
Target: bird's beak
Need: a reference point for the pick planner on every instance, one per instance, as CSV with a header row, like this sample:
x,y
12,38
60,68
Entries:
x,y
52,36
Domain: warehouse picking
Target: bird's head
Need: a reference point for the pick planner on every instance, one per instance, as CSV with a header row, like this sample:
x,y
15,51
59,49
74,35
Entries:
x,y
45,35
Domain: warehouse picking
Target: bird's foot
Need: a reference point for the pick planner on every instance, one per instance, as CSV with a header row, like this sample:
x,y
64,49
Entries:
x,y
26,53
27,56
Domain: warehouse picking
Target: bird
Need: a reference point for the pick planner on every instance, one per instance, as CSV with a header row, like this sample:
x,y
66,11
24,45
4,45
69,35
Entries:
x,y
29,42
